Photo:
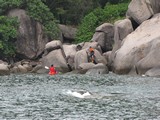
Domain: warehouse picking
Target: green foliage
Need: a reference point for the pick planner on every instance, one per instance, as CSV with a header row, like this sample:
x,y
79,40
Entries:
x,y
115,12
6,5
118,1
8,26
86,29
71,11
66,11
8,32
109,14
40,12
37,10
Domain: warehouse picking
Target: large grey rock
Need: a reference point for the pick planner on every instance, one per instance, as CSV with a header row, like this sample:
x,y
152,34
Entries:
x,y
107,56
3,62
140,49
154,72
155,5
141,10
100,58
104,36
151,58
80,57
122,28
56,58
31,38
70,50
55,44
98,69
86,66
68,32
70,61
40,69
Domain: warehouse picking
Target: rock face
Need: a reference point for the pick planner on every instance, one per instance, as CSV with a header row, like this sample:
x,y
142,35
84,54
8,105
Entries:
x,y
154,72
98,69
68,33
86,66
140,49
53,45
104,36
137,8
31,39
155,4
94,45
56,58
122,28
4,70
80,57
70,50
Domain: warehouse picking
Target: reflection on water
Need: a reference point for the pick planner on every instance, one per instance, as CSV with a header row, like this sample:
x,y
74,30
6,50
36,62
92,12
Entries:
x,y
43,97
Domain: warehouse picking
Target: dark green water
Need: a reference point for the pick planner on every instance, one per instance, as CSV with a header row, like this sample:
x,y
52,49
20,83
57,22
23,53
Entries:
x,y
43,97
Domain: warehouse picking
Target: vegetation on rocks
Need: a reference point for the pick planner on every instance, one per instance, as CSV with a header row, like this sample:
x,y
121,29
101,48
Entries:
x,y
87,14
110,14
8,34
41,13
36,9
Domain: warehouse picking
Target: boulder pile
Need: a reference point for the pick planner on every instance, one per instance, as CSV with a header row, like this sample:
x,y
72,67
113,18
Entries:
x,y
129,46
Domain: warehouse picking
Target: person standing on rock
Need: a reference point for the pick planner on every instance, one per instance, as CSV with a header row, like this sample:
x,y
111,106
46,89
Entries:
x,y
92,56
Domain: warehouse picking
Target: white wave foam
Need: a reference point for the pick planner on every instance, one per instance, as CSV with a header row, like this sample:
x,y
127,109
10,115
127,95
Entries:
x,y
79,94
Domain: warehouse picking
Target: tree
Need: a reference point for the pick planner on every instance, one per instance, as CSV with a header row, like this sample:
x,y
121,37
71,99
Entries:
x,y
109,14
86,29
8,29
6,5
8,33
71,11
41,13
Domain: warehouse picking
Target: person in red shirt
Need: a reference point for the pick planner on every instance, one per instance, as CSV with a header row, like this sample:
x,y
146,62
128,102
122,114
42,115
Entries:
x,y
91,50
52,70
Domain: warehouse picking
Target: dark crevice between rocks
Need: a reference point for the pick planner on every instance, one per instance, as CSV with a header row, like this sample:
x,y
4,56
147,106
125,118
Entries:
x,y
134,24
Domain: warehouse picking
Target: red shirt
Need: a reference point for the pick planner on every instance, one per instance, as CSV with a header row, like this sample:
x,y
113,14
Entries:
x,y
91,49
52,71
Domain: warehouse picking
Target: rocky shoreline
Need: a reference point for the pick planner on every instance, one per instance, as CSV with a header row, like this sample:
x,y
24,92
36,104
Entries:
x,y
130,46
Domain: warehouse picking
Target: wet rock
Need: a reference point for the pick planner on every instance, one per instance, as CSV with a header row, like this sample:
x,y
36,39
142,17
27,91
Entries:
x,y
98,69
4,70
57,58
154,72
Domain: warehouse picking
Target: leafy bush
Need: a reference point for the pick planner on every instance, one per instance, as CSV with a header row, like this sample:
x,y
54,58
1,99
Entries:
x,y
40,12
6,5
109,14
87,28
8,26
115,12
37,10
8,33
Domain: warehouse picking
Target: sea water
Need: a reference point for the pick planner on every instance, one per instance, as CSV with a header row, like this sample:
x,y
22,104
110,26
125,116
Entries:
x,y
79,97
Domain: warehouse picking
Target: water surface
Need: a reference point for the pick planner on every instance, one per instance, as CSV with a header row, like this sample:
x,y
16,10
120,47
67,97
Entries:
x,y
44,97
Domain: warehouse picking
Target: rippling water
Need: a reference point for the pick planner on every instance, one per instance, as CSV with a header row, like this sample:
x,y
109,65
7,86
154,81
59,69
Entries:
x,y
44,97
